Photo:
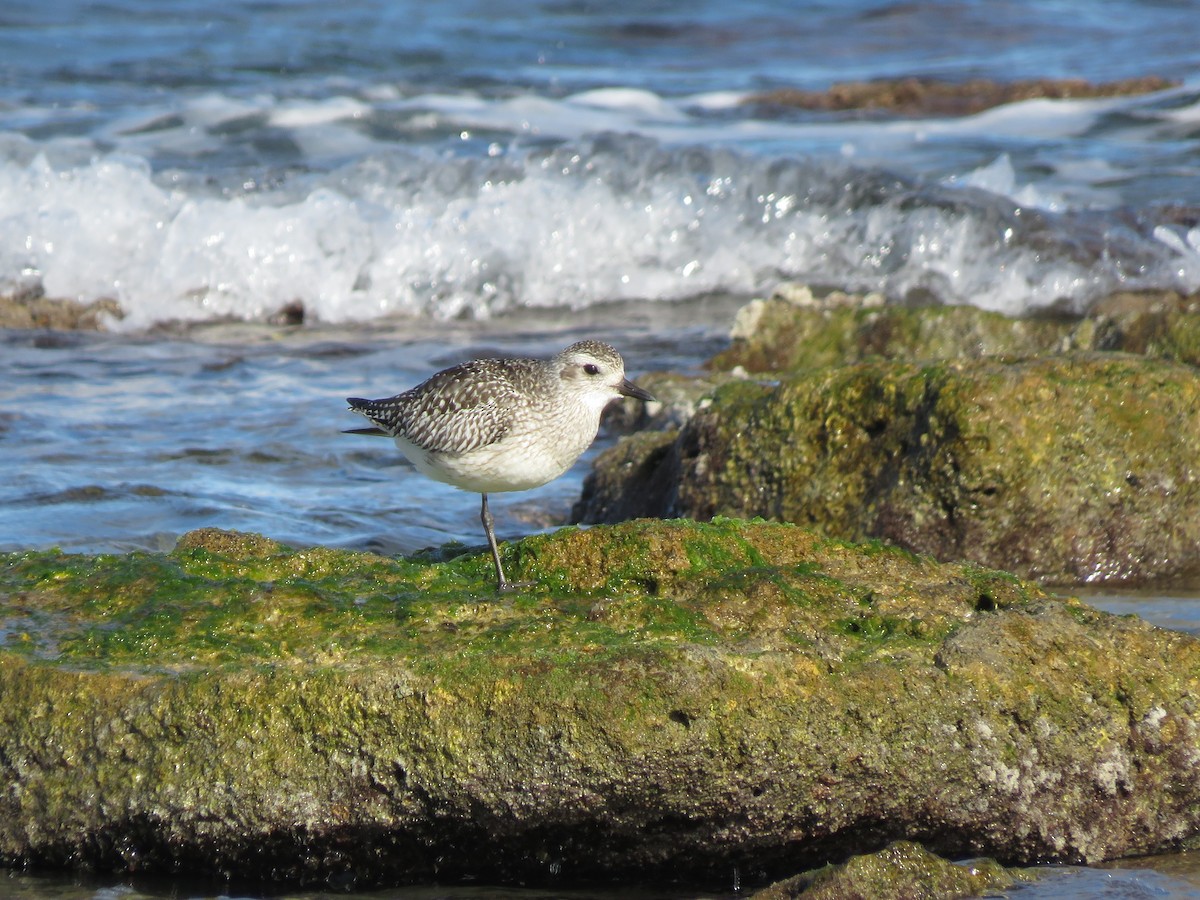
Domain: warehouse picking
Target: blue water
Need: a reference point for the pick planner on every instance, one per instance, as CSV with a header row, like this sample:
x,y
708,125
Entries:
x,y
110,53
433,181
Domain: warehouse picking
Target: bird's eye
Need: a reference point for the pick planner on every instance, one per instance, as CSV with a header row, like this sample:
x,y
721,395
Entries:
x,y
591,368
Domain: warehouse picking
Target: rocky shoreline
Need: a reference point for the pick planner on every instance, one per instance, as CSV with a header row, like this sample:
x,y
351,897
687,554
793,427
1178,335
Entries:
x,y
672,697
864,683
1060,449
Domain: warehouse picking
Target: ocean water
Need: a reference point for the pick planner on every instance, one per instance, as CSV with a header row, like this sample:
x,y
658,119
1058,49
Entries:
x,y
433,181
197,160
429,182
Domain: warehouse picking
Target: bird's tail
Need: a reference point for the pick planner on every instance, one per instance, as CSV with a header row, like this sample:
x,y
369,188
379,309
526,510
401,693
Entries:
x,y
365,407
373,432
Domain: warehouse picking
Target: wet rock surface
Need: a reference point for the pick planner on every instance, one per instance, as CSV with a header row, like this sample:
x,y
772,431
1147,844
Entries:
x,y
1058,448
30,309
796,329
671,697
901,870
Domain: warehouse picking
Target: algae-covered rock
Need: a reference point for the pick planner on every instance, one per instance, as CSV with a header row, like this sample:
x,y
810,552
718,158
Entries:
x,y
676,398
632,479
780,336
672,698
29,308
900,871
797,329
1069,469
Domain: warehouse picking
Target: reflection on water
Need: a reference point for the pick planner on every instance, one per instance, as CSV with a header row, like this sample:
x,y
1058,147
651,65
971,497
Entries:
x,y
1175,609
1175,876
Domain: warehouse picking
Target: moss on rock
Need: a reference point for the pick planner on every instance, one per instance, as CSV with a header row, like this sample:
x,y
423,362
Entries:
x,y
30,309
1066,468
901,871
672,697
796,329
782,336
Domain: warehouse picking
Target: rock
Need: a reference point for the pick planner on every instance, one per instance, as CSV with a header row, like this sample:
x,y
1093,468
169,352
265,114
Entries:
x,y
29,309
672,698
1068,469
229,544
796,330
635,477
779,336
901,870
929,97
1159,324
290,314
676,398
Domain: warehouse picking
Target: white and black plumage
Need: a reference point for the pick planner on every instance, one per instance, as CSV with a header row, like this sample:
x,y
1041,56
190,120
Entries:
x,y
494,425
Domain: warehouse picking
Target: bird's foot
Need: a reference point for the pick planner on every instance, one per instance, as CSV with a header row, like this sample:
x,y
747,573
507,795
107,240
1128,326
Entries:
x,y
505,587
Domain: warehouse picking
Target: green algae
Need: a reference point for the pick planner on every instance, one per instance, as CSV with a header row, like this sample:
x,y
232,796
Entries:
x,y
780,336
902,869
201,607
1181,341
667,694
785,337
1063,468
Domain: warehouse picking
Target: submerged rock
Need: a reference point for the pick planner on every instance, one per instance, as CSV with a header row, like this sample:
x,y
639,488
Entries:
x,y
672,697
1069,469
931,97
901,870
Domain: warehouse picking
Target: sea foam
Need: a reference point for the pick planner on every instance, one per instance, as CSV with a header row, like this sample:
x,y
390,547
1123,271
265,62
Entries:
x,y
610,217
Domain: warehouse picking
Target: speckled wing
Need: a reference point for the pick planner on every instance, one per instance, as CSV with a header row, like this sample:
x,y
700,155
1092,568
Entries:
x,y
456,411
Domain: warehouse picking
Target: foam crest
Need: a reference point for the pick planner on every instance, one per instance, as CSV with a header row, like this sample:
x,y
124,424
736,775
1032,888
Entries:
x,y
641,102
1187,114
1186,244
297,114
999,177
611,218
86,231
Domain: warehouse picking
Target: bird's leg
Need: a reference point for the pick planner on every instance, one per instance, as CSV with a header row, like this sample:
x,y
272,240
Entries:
x,y
485,515
502,583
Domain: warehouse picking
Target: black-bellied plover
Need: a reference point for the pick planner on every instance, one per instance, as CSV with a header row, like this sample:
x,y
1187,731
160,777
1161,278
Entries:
x,y
495,425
